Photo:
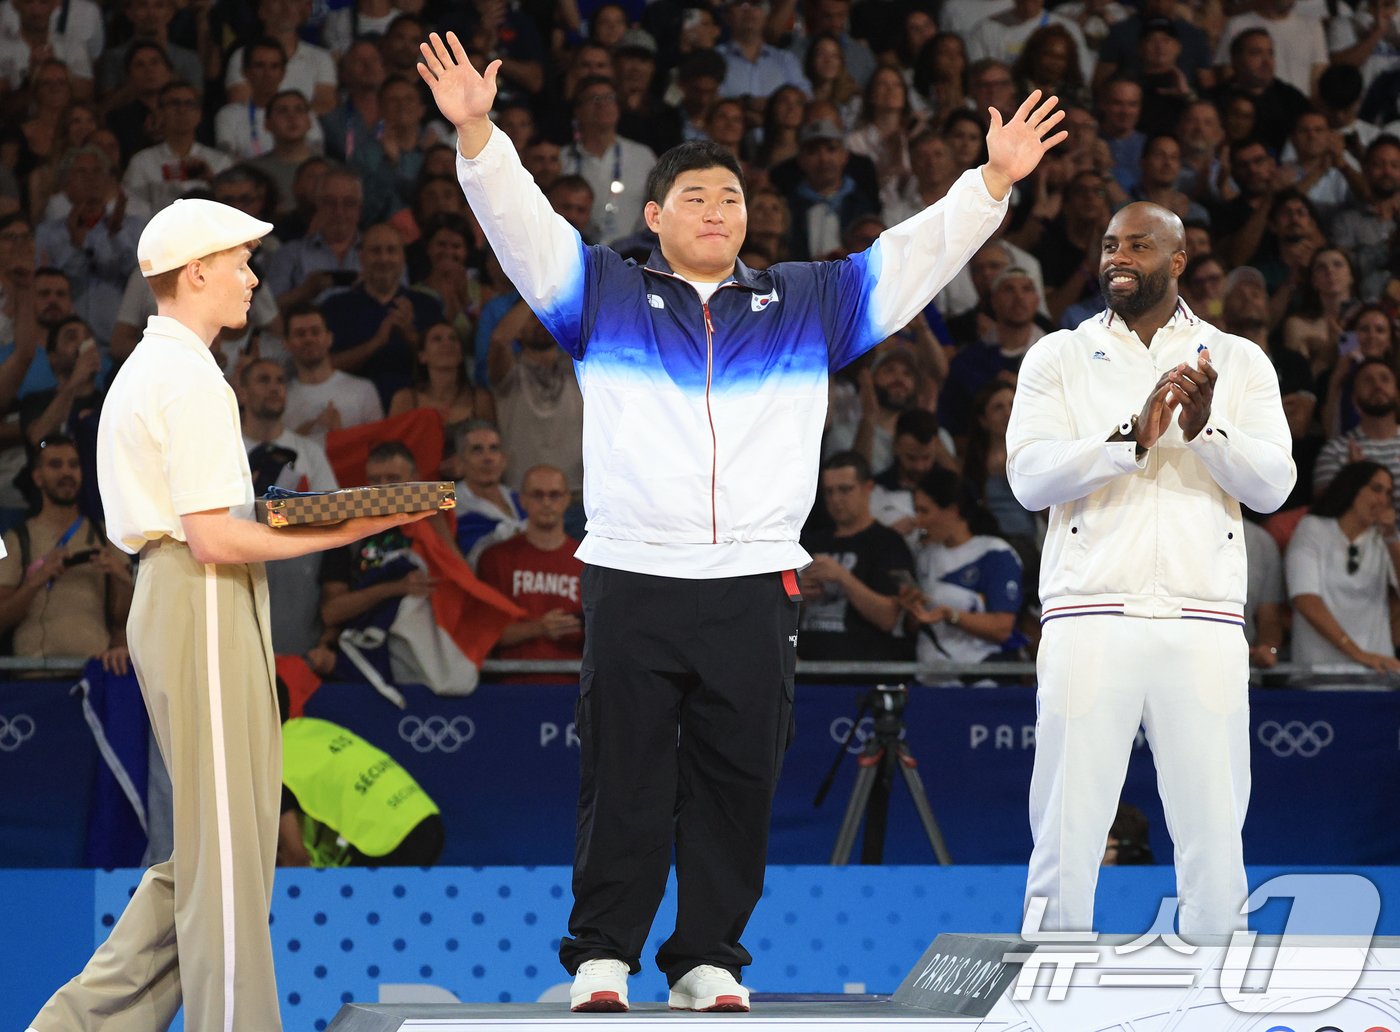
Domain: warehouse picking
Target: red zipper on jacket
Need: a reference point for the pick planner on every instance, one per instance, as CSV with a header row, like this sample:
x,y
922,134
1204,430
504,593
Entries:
x,y
709,414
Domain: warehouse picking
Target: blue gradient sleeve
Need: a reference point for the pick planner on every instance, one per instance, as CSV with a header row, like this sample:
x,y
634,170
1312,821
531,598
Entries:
x,y
542,254
875,293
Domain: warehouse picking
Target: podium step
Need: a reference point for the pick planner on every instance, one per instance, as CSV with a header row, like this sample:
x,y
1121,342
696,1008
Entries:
x,y
979,983
792,1014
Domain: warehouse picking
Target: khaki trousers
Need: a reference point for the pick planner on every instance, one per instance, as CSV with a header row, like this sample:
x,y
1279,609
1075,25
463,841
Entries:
x,y
196,930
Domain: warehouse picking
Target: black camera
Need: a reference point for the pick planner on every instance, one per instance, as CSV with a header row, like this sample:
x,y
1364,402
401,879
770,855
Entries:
x,y
78,558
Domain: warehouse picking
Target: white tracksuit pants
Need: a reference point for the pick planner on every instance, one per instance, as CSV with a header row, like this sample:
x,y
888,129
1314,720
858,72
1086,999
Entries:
x,y
1186,683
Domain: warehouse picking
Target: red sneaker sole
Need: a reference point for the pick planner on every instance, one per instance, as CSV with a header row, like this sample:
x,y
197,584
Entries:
x,y
722,1003
604,1002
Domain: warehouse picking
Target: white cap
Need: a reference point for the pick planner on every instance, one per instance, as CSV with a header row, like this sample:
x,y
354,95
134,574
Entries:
x,y
191,228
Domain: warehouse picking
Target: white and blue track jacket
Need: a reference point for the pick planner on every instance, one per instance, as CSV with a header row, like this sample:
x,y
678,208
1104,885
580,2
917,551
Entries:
x,y
703,422
1159,538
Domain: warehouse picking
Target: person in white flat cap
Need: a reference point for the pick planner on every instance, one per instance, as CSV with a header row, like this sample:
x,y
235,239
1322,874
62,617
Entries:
x,y
177,491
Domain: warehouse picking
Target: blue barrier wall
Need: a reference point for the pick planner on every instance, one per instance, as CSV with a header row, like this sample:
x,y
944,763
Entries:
x,y
503,765
491,934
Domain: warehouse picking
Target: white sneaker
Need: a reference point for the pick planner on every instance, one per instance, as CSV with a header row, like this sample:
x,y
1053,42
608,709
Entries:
x,y
708,988
600,985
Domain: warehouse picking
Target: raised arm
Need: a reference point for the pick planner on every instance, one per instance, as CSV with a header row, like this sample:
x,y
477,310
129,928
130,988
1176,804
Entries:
x,y
911,262
541,253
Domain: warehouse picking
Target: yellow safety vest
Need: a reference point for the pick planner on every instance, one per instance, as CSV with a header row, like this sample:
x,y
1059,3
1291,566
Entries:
x,y
357,791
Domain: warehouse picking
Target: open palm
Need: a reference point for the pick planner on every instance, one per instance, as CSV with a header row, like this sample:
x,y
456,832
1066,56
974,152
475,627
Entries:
x,y
462,94
1015,148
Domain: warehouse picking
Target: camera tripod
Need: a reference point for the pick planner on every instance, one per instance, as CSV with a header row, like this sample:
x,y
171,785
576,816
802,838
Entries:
x,y
883,754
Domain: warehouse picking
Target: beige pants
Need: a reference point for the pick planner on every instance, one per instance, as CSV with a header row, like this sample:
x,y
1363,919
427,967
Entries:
x,y
196,931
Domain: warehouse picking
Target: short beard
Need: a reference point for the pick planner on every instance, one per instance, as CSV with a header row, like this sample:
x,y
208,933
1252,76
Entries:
x,y
1376,408
61,500
1150,292
883,399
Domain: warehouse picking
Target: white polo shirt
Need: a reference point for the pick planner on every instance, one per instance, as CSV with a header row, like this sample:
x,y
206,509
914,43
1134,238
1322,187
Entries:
x,y
154,174
169,441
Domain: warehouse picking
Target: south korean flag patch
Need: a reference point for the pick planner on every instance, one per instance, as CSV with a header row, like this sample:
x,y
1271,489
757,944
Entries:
x,y
758,302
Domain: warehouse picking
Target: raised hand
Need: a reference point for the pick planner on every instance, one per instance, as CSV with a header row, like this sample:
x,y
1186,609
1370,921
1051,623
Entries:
x,y
1015,148
1195,389
462,94
1156,414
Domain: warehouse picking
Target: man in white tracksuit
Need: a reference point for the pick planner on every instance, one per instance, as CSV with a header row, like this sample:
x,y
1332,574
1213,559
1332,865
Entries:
x,y
1143,581
705,391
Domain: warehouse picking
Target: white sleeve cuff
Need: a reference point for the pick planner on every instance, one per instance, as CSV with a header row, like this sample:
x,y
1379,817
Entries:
x,y
1214,436
1123,455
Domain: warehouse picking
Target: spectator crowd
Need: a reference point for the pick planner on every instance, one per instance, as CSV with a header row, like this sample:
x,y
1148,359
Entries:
x,y
1271,127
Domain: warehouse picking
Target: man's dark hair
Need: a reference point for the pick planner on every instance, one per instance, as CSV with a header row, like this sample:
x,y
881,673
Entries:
x,y
920,424
1157,138
49,270
569,182
1340,86
386,451
690,157
960,115
1371,361
245,374
451,221
1194,265
947,490
1383,140
471,427
702,64
1241,38
143,45
301,309
250,175
265,43
922,137
424,180
1339,495
1238,147
57,328
57,439
175,86
852,460
404,17
280,94
1116,80
587,82
1286,196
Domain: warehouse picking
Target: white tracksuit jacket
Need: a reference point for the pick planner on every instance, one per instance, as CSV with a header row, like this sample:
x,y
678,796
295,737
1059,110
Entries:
x,y
1162,538
702,421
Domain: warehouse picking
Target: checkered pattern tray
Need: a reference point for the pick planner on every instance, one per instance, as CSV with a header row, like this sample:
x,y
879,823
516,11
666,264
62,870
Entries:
x,y
292,508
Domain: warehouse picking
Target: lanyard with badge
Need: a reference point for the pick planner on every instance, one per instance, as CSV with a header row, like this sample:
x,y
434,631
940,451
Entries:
x,y
63,540
615,188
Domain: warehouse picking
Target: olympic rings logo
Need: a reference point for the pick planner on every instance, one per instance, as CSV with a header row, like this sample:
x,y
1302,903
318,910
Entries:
x,y
1295,738
841,727
437,733
15,731
865,730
